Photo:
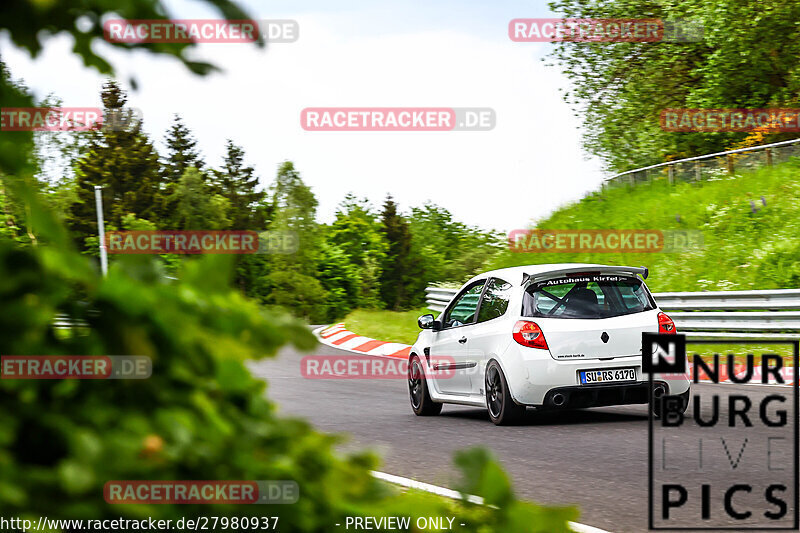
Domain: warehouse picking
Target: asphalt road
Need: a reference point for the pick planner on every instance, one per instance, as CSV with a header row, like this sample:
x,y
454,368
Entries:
x,y
596,459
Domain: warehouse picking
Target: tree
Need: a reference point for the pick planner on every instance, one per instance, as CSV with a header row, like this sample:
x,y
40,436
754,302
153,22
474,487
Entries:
x,y
395,267
124,162
341,280
237,183
357,232
621,88
443,249
196,206
288,277
182,153
294,209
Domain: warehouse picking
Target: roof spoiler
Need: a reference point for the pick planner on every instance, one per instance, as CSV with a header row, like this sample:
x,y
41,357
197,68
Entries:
x,y
641,271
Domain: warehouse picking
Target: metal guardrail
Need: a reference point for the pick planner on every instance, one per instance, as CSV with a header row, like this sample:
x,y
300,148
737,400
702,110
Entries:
x,y
711,165
730,315
438,298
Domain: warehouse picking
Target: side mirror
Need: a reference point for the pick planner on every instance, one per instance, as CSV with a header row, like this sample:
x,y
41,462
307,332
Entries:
x,y
426,321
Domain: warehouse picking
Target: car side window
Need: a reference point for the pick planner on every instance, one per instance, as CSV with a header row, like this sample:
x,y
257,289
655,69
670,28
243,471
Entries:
x,y
463,309
495,300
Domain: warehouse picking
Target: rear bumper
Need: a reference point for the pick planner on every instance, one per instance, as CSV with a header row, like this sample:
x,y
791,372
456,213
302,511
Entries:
x,y
573,397
533,376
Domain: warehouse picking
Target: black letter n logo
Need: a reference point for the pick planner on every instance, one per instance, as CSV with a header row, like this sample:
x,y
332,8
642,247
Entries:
x,y
663,353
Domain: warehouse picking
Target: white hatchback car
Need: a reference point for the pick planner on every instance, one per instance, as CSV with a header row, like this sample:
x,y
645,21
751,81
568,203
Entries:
x,y
554,336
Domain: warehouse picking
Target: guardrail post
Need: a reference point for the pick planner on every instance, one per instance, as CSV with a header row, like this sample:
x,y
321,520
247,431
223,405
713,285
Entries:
x,y
698,173
769,156
671,174
729,160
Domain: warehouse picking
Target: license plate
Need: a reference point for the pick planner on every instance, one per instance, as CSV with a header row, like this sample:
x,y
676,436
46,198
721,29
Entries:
x,y
615,375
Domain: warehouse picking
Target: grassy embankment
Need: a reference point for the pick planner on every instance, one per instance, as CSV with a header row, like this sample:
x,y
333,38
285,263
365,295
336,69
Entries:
x,y
741,249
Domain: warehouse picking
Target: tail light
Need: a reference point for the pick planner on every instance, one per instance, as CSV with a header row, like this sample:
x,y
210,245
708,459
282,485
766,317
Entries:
x,y
529,334
666,325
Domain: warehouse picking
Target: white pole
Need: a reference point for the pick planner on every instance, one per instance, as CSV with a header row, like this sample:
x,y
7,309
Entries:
x,y
101,229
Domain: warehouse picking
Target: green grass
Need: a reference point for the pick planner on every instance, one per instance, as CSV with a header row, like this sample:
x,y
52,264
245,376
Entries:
x,y
740,351
392,326
742,250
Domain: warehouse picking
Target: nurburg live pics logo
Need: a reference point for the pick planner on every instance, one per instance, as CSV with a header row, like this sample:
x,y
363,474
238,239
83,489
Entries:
x,y
730,462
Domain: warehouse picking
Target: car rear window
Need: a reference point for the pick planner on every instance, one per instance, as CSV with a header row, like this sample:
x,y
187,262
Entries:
x,y
586,296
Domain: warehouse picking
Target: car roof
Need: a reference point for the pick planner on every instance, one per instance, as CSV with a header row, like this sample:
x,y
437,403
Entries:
x,y
514,275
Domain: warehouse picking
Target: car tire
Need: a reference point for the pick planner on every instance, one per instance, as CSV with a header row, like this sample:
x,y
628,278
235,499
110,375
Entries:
x,y
684,404
503,410
421,402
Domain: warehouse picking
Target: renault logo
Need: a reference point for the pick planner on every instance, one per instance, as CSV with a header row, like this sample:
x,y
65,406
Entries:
x,y
604,337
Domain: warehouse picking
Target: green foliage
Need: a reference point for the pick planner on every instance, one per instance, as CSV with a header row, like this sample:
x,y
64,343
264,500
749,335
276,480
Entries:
x,y
300,293
124,162
238,184
742,250
443,249
201,415
8,223
16,147
485,478
295,210
357,232
30,23
341,281
182,154
397,262
749,58
196,207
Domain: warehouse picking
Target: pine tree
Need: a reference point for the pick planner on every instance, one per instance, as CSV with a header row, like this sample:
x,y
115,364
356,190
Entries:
x,y
124,162
239,185
182,154
295,211
292,277
395,267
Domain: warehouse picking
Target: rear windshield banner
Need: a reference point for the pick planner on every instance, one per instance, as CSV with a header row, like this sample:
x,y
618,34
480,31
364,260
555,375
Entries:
x,y
586,278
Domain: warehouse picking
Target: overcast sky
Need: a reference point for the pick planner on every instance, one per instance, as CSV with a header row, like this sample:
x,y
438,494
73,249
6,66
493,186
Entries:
x,y
357,54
